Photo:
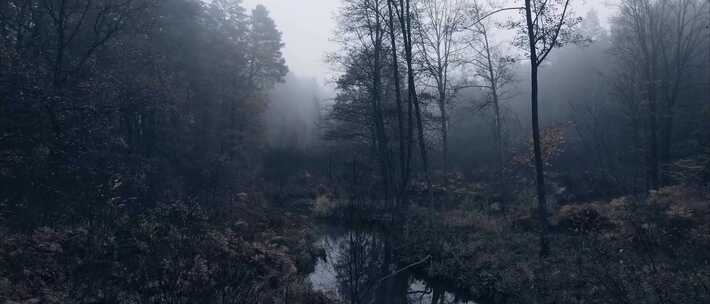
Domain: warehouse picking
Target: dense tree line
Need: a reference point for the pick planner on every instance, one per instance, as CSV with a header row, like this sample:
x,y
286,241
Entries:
x,y
132,145
417,73
131,102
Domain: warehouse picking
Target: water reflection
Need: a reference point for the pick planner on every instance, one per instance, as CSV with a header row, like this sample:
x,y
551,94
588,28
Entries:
x,y
360,267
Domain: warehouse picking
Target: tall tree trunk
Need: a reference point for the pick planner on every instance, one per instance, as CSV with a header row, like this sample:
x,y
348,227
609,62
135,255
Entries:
x,y
413,91
652,153
666,142
496,109
539,168
403,183
382,141
410,136
498,138
444,134
410,108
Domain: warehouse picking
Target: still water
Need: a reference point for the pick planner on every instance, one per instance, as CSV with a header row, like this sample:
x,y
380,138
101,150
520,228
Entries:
x,y
358,268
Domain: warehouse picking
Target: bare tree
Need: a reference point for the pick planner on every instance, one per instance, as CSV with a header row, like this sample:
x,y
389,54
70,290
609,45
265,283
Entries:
x,y
363,33
404,141
406,16
547,25
493,71
440,25
681,44
81,27
662,39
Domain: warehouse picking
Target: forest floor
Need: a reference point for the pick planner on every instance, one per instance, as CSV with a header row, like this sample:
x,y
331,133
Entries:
x,y
254,250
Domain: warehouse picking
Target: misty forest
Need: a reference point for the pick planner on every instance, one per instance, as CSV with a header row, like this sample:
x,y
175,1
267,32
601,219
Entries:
x,y
452,151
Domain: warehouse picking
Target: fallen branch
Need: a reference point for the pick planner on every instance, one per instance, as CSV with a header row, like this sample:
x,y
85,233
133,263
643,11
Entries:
x,y
403,269
379,282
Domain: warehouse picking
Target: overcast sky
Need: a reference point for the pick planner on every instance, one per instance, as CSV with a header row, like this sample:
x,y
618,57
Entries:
x,y
308,25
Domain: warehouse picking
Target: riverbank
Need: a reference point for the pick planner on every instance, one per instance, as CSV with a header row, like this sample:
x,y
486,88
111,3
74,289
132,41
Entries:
x,y
652,249
251,251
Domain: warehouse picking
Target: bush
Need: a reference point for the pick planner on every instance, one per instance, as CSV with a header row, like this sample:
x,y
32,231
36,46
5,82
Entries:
x,y
173,253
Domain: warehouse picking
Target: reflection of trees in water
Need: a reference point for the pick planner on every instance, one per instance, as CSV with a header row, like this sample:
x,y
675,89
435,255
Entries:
x,y
359,266
364,261
423,292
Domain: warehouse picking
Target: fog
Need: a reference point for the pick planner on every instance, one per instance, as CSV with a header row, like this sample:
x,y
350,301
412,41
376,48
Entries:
x,y
308,27
309,34
355,151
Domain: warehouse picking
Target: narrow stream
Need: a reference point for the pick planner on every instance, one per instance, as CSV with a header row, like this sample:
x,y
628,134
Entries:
x,y
355,270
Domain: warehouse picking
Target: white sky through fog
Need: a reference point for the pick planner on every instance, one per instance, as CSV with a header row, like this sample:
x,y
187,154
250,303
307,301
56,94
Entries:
x,y
308,26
